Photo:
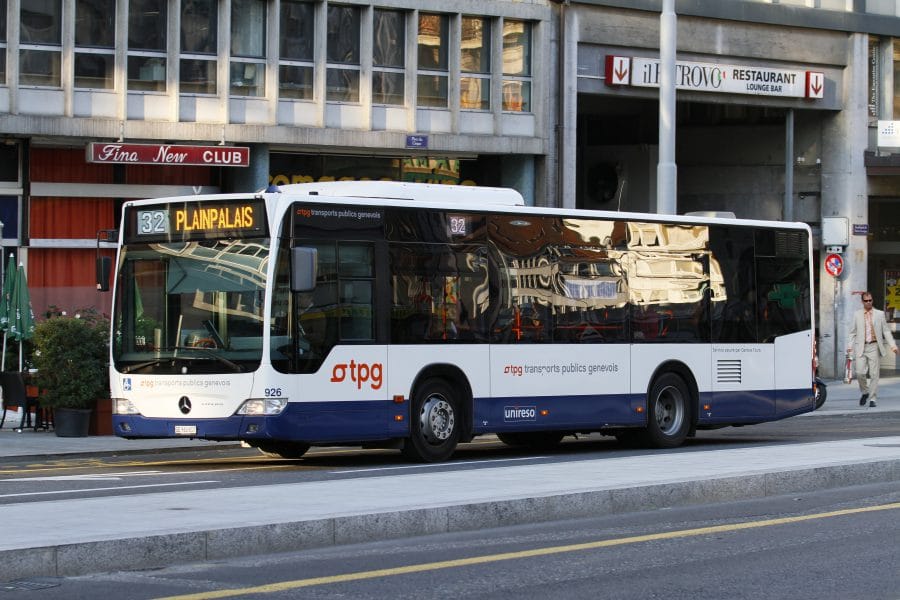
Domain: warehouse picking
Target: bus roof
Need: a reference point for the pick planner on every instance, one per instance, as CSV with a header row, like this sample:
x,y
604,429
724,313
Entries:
x,y
400,190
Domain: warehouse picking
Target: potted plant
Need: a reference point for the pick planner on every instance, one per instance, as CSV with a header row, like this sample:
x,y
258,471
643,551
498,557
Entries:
x,y
71,357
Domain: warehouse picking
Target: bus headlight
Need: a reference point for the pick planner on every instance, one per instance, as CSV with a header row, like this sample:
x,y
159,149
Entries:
x,y
262,406
123,406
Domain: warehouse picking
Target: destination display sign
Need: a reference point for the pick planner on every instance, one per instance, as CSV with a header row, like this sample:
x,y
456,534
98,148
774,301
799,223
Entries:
x,y
197,220
167,154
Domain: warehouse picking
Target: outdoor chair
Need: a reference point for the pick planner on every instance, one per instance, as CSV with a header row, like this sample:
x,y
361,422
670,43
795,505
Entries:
x,y
13,384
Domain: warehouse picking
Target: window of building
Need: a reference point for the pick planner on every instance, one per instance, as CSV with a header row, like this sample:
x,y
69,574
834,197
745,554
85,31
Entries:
x,y
248,48
475,64
95,43
40,49
516,66
147,45
433,73
342,70
2,42
296,66
199,22
388,49
896,80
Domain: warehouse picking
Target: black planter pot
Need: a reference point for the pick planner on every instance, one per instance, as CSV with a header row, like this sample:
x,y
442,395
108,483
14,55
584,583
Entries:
x,y
71,422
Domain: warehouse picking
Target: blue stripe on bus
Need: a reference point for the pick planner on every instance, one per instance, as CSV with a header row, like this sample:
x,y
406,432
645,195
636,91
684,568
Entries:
x,y
325,422
754,406
562,412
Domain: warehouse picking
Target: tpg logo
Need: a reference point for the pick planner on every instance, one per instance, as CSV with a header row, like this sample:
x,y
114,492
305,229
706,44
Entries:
x,y
360,373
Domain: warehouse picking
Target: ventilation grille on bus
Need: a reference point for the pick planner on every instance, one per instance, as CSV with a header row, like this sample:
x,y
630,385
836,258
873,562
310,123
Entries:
x,y
728,371
790,243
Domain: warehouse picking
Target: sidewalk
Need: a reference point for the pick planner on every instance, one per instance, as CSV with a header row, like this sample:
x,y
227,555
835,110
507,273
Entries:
x,y
138,531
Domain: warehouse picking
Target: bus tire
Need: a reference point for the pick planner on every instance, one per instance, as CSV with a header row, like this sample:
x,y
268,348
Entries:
x,y
539,440
668,412
435,421
280,449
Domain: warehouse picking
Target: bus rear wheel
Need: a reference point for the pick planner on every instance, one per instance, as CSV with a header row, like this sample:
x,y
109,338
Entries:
x,y
435,422
668,412
278,449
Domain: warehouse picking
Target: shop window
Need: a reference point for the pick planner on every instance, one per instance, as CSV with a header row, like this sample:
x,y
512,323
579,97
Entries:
x,y
10,165
147,45
475,64
433,69
95,41
40,48
516,66
342,71
199,23
388,47
296,66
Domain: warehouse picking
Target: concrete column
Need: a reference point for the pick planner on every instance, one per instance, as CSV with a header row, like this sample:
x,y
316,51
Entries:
x,y
517,172
845,140
253,178
568,97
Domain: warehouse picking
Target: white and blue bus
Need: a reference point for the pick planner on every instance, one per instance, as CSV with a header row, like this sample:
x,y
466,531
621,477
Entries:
x,y
419,316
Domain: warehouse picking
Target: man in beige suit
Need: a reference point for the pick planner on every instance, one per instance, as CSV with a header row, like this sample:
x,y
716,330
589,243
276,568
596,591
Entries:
x,y
869,340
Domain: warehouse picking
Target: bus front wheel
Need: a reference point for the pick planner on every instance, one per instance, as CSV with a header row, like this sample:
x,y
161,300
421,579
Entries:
x,y
668,412
434,424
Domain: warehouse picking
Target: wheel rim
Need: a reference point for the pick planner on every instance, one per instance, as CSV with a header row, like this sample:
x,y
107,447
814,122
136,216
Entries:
x,y
669,410
437,419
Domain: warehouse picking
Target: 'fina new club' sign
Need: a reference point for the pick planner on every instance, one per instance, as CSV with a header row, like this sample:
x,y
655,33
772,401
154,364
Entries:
x,y
165,154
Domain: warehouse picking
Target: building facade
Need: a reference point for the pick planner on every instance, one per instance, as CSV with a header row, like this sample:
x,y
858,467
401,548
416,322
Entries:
x,y
102,100
778,112
780,106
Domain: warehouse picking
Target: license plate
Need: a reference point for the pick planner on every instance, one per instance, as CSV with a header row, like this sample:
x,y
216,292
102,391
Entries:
x,y
185,430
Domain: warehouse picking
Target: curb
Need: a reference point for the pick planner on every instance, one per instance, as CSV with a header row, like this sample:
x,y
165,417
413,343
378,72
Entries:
x,y
146,552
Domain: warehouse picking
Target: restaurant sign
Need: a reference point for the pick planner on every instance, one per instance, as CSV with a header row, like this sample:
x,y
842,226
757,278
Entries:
x,y
718,77
166,154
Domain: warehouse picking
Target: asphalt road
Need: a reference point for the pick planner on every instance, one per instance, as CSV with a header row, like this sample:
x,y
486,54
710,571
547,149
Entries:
x,y
834,544
63,478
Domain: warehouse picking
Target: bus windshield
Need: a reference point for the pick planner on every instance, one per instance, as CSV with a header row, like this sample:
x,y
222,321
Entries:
x,y
190,307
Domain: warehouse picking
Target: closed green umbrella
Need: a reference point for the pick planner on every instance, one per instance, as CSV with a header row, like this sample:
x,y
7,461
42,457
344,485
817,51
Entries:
x,y
22,325
5,303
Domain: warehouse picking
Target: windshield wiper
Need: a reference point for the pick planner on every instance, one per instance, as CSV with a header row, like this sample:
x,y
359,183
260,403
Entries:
x,y
211,353
149,363
206,351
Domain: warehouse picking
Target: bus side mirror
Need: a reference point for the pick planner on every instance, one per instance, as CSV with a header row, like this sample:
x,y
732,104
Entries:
x,y
304,262
104,268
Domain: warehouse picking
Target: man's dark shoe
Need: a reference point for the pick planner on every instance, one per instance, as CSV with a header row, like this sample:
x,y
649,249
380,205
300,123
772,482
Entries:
x,y
872,404
862,399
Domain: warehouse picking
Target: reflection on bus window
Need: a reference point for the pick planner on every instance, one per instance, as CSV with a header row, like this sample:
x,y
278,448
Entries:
x,y
204,294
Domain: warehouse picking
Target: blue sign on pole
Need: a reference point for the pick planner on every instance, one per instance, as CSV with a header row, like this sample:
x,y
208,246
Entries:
x,y
417,141
860,229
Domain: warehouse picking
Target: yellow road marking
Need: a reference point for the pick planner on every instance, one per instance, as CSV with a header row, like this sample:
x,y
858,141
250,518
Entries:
x,y
492,558
95,463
